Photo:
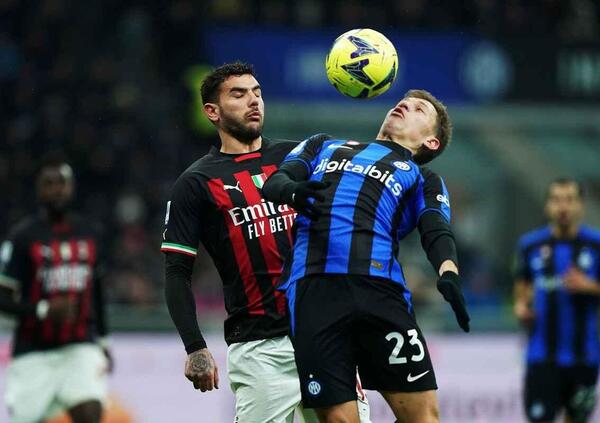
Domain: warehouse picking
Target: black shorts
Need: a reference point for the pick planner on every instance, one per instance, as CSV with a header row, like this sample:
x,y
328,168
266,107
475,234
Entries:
x,y
550,388
342,322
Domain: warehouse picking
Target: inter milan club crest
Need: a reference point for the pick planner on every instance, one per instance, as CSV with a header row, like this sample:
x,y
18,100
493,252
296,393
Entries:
x,y
259,180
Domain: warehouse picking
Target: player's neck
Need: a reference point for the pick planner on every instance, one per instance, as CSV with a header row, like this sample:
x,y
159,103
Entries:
x,y
231,145
55,216
400,141
565,232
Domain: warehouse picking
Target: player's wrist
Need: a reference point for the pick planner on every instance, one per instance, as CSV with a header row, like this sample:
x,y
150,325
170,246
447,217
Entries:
x,y
41,309
289,193
448,266
450,276
195,346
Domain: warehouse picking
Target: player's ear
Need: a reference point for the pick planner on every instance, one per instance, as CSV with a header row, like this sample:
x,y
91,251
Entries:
x,y
432,143
211,110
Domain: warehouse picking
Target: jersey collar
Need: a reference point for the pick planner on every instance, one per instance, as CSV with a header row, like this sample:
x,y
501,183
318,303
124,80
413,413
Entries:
x,y
404,152
240,157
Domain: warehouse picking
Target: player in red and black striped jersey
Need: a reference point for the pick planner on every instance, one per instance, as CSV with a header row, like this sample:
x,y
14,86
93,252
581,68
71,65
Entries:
x,y
50,281
218,202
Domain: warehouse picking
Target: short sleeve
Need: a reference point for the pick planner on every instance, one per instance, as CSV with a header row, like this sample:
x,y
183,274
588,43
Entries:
x,y
183,217
14,261
431,195
306,152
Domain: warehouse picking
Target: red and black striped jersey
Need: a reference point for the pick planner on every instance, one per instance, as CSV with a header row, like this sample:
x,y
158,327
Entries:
x,y
218,202
42,261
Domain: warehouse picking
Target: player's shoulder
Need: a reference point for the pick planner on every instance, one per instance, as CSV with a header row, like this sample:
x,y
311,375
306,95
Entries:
x,y
535,236
312,144
427,173
191,182
429,178
197,168
318,140
86,224
24,227
590,234
279,145
200,164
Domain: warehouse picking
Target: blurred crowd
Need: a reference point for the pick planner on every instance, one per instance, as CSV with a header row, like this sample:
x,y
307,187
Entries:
x,y
566,19
91,79
103,82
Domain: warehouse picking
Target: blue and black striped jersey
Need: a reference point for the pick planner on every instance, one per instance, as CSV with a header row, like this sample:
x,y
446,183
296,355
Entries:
x,y
565,331
375,198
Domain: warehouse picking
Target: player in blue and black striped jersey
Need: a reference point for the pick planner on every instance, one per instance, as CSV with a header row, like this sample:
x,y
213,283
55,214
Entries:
x,y
557,289
348,299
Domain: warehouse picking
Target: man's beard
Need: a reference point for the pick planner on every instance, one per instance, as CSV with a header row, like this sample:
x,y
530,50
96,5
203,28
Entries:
x,y
240,132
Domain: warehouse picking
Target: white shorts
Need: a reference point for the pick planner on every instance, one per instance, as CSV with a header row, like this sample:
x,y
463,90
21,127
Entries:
x,y
263,377
40,384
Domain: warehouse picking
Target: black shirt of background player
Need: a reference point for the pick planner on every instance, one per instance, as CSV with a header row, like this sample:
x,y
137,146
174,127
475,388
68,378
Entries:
x,y
43,260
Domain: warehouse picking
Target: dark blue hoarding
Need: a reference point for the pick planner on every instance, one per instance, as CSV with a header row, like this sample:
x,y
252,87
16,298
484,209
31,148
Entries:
x,y
458,68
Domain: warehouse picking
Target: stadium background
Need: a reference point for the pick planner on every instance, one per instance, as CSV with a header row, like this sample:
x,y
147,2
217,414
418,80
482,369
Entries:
x,y
115,85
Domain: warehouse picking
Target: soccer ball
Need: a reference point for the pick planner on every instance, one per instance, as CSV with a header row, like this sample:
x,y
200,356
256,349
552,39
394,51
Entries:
x,y
362,63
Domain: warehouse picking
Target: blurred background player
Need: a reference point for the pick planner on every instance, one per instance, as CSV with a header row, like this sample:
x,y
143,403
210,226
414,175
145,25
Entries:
x,y
556,293
218,202
50,282
347,295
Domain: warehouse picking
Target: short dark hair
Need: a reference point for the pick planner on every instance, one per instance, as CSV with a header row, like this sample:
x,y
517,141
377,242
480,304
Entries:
x,y
212,82
443,130
566,180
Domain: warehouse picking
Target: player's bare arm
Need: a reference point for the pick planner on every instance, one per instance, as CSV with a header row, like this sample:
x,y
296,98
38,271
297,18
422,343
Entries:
x,y
62,309
201,369
59,309
523,296
448,266
577,282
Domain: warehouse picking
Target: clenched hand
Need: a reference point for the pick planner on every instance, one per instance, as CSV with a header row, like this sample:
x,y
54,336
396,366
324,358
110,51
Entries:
x,y
201,369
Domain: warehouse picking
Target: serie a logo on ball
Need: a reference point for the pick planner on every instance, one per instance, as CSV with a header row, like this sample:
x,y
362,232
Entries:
x,y
362,63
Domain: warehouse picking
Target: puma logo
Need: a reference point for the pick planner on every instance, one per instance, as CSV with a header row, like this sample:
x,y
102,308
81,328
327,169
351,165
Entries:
x,y
229,187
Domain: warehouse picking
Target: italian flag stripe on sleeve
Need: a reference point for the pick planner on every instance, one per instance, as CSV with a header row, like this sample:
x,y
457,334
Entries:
x,y
178,248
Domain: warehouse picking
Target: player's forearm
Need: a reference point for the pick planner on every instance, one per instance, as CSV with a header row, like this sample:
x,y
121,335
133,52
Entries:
x,y
522,292
180,300
594,287
438,242
280,186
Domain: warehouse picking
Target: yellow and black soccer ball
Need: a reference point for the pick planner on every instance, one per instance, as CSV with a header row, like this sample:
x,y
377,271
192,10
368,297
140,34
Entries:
x,y
362,63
